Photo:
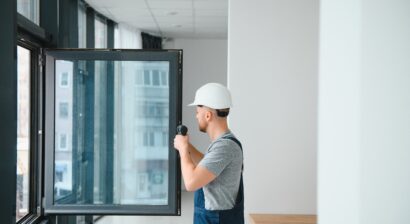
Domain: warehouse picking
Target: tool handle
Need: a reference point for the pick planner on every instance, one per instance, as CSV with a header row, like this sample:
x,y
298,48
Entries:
x,y
182,129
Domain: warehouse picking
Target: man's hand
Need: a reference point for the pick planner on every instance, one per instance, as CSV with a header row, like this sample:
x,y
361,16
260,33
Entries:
x,y
181,143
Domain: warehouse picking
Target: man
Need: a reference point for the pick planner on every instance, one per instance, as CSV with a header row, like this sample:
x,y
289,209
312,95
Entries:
x,y
216,177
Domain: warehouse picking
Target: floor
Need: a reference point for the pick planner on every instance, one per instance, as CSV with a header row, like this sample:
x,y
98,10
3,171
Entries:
x,y
187,204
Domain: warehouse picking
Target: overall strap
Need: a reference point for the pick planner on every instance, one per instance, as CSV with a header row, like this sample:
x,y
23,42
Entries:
x,y
233,139
236,214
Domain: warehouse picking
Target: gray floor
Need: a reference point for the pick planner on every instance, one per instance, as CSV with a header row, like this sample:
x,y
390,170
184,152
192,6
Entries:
x,y
187,204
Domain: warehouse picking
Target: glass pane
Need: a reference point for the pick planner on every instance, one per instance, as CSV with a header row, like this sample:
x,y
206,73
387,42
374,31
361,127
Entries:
x,y
111,144
82,26
23,131
100,33
29,9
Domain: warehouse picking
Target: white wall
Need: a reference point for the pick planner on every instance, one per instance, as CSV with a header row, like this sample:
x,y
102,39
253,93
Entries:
x,y
272,64
204,60
364,112
339,112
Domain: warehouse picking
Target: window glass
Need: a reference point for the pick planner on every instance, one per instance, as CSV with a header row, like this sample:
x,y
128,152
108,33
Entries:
x,y
82,26
164,78
29,9
155,77
64,79
89,166
147,77
100,32
23,131
63,109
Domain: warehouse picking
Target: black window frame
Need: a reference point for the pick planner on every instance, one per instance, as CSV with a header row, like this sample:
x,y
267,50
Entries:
x,y
175,118
35,144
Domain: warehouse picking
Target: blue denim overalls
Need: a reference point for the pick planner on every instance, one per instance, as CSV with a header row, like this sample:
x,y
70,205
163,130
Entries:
x,y
234,215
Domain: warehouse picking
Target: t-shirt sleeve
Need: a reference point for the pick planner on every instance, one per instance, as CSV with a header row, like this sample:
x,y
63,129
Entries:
x,y
218,157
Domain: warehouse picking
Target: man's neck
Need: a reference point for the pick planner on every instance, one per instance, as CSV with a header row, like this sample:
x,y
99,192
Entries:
x,y
217,131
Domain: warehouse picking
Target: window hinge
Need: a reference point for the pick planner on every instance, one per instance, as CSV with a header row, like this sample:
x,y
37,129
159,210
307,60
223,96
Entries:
x,y
41,60
180,57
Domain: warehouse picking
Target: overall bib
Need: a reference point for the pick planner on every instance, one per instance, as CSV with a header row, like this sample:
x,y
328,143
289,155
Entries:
x,y
234,215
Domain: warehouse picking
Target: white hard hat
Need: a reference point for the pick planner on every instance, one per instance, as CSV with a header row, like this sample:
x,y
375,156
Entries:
x,y
213,95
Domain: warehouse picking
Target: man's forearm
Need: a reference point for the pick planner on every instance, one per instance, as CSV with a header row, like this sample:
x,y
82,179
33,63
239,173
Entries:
x,y
195,154
187,167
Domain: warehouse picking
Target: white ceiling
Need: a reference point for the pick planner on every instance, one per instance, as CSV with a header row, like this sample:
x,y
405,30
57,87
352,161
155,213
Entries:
x,y
169,18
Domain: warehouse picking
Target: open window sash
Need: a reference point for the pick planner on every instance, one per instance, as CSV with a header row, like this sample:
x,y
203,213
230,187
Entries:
x,y
110,117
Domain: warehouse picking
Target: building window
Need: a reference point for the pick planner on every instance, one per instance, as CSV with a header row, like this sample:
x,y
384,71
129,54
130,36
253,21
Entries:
x,y
23,131
155,77
63,141
29,9
164,138
152,77
139,80
64,79
82,25
148,139
100,32
164,78
147,77
63,110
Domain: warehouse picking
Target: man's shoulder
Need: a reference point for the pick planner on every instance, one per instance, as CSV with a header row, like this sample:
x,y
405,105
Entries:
x,y
225,143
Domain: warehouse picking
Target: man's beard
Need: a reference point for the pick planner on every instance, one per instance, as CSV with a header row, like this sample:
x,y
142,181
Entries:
x,y
202,129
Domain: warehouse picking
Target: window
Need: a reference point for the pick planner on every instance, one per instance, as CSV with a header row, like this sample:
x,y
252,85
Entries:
x,y
23,131
82,25
155,77
63,110
63,142
139,77
103,169
100,32
64,79
152,77
148,139
164,138
147,77
29,9
164,78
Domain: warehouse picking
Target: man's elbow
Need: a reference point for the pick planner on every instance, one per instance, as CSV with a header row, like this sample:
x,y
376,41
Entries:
x,y
189,186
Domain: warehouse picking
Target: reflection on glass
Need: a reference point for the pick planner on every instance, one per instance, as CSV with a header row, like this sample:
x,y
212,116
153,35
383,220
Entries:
x,y
23,131
82,25
100,33
29,9
111,143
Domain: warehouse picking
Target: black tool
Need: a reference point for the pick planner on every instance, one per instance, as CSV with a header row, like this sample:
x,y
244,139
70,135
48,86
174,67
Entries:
x,y
182,129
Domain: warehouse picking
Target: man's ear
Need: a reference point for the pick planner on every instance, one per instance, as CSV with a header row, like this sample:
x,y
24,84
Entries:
x,y
208,115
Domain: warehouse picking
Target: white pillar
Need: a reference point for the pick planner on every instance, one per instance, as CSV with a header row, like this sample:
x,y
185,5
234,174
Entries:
x,y
364,112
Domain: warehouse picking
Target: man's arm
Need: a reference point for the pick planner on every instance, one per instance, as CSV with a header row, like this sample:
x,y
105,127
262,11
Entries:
x,y
195,154
195,176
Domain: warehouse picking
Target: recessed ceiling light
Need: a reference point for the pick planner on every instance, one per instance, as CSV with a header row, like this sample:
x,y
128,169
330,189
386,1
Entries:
x,y
172,13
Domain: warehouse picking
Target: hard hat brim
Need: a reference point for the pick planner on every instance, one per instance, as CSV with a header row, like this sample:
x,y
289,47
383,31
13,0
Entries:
x,y
192,104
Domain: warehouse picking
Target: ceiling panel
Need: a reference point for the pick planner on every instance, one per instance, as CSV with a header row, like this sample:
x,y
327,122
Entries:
x,y
169,18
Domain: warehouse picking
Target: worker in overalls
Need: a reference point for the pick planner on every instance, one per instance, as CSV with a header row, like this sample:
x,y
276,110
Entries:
x,y
216,176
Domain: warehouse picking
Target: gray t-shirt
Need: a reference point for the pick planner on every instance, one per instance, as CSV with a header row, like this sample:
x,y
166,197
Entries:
x,y
224,159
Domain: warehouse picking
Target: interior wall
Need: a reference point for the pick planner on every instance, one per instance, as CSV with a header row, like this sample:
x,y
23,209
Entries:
x,y
204,61
272,73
